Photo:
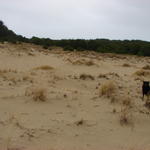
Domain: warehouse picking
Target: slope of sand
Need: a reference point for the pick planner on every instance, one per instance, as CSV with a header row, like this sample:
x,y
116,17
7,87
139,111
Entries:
x,y
73,115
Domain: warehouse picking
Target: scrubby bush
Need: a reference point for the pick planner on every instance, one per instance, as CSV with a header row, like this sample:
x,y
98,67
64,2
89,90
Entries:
x,y
107,88
126,117
45,67
135,47
142,72
37,93
86,76
126,65
147,67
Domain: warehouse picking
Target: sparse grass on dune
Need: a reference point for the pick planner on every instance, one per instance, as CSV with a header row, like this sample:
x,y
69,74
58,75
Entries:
x,y
80,122
37,93
108,75
102,76
126,65
57,78
126,116
45,67
126,101
8,70
28,78
146,67
84,98
85,62
86,76
107,89
142,72
10,75
15,76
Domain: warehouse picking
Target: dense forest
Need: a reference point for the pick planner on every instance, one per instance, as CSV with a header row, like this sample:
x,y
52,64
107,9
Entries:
x,y
135,47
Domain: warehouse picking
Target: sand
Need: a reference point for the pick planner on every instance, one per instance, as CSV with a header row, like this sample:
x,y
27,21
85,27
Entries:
x,y
52,100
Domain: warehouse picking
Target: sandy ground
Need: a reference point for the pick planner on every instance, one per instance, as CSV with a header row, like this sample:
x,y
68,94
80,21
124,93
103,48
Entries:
x,y
52,100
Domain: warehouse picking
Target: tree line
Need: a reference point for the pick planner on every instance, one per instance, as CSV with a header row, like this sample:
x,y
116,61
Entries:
x,y
135,47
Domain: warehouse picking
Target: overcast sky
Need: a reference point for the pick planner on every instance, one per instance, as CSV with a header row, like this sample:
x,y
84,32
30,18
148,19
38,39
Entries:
x,y
59,19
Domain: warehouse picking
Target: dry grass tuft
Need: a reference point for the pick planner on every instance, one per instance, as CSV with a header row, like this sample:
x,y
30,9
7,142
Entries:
x,y
147,67
7,71
126,65
108,75
31,54
83,62
38,94
28,78
113,74
103,76
142,73
46,67
86,76
89,63
57,78
114,110
114,98
127,102
108,88
80,122
126,117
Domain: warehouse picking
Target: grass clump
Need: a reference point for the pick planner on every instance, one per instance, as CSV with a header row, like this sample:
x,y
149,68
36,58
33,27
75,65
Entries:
x,y
127,102
86,76
45,67
80,122
103,76
83,62
37,94
126,117
147,67
108,88
142,72
126,65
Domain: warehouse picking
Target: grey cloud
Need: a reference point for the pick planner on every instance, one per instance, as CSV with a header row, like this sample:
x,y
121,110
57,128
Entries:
x,y
114,19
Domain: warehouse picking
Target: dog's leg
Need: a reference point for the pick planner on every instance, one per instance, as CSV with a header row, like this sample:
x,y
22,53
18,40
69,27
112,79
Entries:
x,y
143,97
148,97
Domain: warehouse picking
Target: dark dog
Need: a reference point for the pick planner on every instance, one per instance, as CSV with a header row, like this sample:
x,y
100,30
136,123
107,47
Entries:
x,y
146,89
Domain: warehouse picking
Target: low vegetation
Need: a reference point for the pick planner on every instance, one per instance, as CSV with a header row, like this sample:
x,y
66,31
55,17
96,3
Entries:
x,y
86,76
37,94
126,65
82,62
126,116
142,72
135,47
147,67
107,89
46,67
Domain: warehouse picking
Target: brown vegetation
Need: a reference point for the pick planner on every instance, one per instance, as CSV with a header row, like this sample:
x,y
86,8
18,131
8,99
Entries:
x,y
126,65
108,75
127,102
80,122
46,67
142,73
147,67
126,117
107,88
82,62
86,76
38,94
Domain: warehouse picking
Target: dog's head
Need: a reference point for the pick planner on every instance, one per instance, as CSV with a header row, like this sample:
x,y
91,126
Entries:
x,y
146,83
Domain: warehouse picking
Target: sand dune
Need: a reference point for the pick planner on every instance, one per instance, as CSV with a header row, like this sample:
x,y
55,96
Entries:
x,y
57,100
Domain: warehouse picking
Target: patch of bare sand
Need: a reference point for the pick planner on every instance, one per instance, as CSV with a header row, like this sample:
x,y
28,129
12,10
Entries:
x,y
47,103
